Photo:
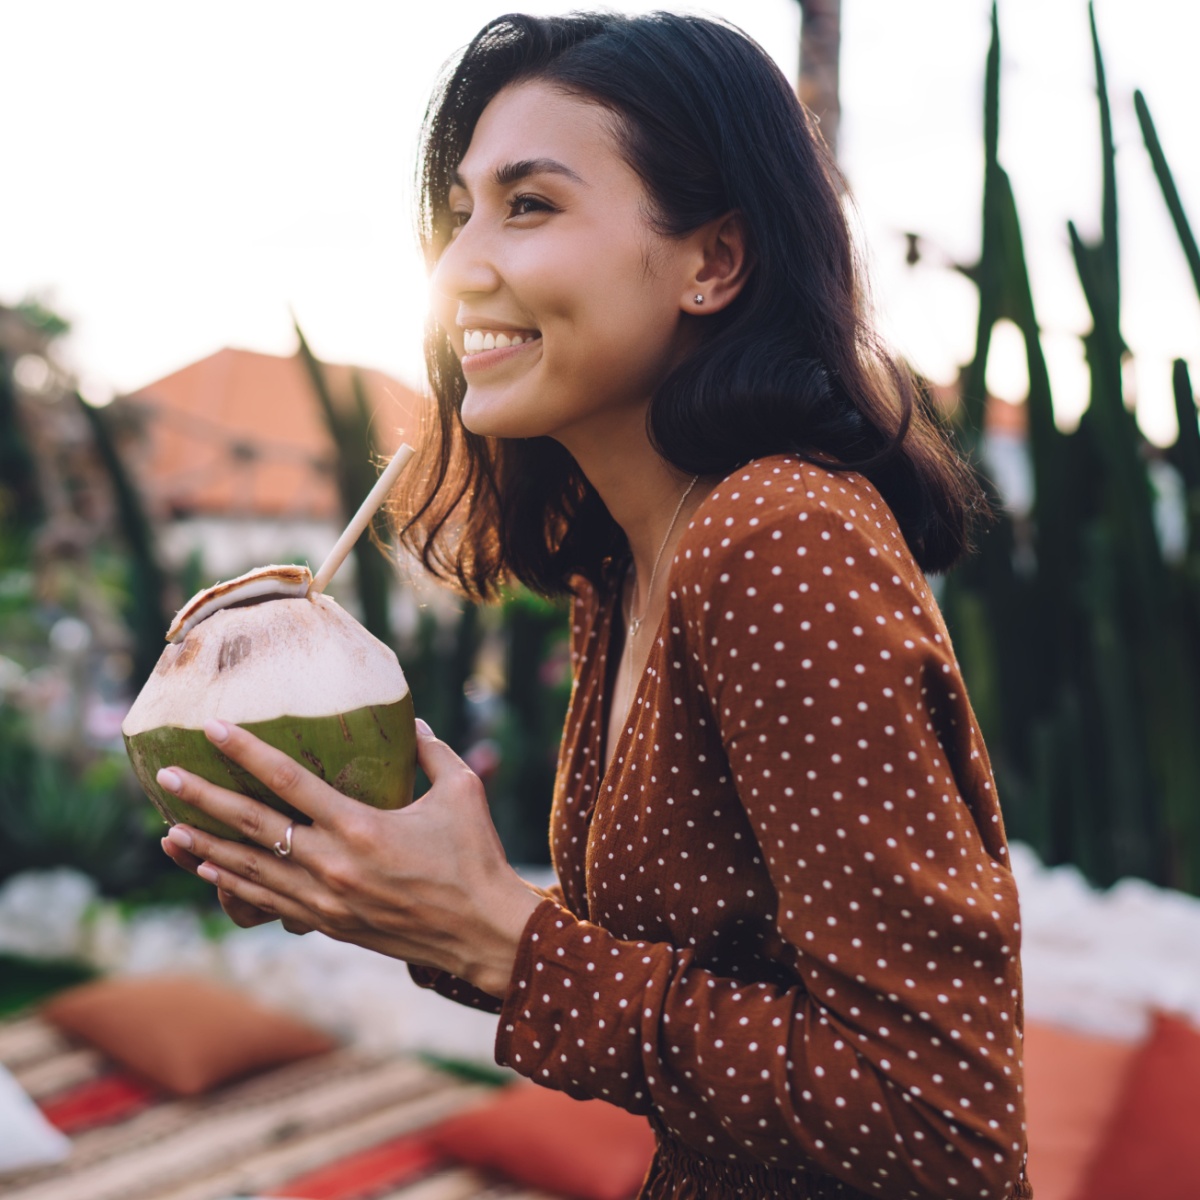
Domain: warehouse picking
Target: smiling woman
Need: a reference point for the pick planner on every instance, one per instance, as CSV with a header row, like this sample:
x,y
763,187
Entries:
x,y
785,928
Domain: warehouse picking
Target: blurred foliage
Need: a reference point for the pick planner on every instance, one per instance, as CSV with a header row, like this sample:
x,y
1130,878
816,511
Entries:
x,y
17,616
147,581
508,728
20,502
348,420
57,812
1079,638
39,315
537,688
77,805
24,981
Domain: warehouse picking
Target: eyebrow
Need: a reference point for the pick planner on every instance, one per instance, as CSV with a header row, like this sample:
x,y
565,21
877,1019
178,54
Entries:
x,y
509,173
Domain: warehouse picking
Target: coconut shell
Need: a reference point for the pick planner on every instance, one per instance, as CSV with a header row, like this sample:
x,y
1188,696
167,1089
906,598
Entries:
x,y
302,675
368,754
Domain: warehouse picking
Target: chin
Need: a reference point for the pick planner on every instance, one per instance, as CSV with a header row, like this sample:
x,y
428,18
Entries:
x,y
493,416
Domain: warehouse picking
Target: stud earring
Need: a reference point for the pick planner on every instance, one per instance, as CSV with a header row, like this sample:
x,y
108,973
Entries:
x,y
699,297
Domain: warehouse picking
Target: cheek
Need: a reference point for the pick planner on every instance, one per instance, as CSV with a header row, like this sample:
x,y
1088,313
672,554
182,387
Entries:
x,y
636,326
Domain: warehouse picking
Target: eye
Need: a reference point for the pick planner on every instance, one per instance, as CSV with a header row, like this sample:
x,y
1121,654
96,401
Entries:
x,y
523,205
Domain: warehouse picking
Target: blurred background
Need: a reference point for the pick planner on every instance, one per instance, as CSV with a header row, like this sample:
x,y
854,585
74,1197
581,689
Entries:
x,y
210,315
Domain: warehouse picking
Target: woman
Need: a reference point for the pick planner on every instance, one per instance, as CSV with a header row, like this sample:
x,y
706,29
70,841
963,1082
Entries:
x,y
785,929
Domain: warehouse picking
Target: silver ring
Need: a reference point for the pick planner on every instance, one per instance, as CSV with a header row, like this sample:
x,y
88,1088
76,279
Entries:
x,y
283,849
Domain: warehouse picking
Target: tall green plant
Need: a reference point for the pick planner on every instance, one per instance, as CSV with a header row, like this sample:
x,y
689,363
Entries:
x,y
534,632
146,614
20,501
1166,181
1085,666
350,426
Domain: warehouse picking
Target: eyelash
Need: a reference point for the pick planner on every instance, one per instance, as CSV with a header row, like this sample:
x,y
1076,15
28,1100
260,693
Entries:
x,y
459,219
538,205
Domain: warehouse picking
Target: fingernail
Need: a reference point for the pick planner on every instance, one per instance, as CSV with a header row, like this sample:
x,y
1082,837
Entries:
x,y
207,872
180,836
217,731
169,779
423,727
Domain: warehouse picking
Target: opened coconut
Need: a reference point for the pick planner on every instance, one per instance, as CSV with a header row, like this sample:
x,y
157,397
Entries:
x,y
291,666
270,652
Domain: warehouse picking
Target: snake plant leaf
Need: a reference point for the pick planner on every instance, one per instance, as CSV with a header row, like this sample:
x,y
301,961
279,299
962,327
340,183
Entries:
x,y
1166,182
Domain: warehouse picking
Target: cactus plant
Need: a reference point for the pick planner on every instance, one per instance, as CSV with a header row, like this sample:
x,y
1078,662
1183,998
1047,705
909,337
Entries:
x,y
1085,668
350,427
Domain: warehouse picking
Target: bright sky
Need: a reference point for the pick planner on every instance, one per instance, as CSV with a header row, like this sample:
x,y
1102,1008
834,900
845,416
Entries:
x,y
178,176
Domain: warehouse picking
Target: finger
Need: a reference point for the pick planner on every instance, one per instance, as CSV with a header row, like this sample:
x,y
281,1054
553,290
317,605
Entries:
x,y
247,916
238,893
241,913
296,927
248,861
434,756
262,824
291,782
179,856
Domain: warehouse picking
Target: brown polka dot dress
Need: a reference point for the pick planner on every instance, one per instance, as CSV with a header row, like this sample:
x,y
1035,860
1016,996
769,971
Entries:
x,y
788,933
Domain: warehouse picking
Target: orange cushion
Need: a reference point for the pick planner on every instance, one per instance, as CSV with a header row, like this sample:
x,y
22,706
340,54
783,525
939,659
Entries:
x,y
185,1033
1072,1085
587,1149
1151,1147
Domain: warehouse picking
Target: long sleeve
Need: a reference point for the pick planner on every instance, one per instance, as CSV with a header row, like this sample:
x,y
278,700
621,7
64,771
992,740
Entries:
x,y
891,1060
453,988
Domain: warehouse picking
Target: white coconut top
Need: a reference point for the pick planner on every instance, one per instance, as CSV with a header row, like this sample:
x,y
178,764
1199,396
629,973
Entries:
x,y
283,657
262,582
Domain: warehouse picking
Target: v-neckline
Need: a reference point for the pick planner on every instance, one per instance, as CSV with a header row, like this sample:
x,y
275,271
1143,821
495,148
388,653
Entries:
x,y
608,677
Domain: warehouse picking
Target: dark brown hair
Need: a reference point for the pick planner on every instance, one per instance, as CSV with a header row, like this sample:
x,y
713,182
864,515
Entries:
x,y
711,126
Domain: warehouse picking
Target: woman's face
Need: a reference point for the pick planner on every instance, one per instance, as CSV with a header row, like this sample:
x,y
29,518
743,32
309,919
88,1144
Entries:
x,y
563,304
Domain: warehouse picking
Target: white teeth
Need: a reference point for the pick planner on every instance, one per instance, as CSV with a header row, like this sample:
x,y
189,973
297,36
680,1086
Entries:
x,y
477,340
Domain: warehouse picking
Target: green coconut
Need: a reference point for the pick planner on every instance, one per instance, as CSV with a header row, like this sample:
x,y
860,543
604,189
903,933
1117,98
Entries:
x,y
295,670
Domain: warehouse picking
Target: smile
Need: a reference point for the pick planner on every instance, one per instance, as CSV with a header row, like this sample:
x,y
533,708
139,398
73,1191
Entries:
x,y
479,341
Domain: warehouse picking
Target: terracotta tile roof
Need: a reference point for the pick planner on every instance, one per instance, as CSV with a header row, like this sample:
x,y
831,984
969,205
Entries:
x,y
241,434
1002,416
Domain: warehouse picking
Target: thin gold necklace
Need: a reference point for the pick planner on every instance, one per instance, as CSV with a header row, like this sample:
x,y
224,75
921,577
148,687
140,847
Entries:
x,y
635,623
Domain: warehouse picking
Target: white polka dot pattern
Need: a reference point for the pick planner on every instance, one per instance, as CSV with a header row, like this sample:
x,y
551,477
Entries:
x,y
794,941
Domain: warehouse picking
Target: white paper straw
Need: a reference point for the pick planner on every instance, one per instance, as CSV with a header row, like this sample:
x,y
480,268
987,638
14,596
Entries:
x,y
361,519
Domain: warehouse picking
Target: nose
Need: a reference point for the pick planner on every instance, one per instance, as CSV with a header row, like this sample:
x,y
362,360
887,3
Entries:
x,y
466,267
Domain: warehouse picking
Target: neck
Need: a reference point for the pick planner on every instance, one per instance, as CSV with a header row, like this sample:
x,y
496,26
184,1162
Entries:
x,y
641,491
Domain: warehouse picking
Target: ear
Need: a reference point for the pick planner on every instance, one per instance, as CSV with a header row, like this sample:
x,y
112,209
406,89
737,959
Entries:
x,y
721,265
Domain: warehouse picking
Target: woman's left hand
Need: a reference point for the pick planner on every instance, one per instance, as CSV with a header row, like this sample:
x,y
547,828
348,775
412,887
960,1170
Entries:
x,y
428,884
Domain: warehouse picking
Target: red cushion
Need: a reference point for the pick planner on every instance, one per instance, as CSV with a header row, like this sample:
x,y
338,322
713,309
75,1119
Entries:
x,y
587,1149
185,1033
1073,1083
1152,1145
